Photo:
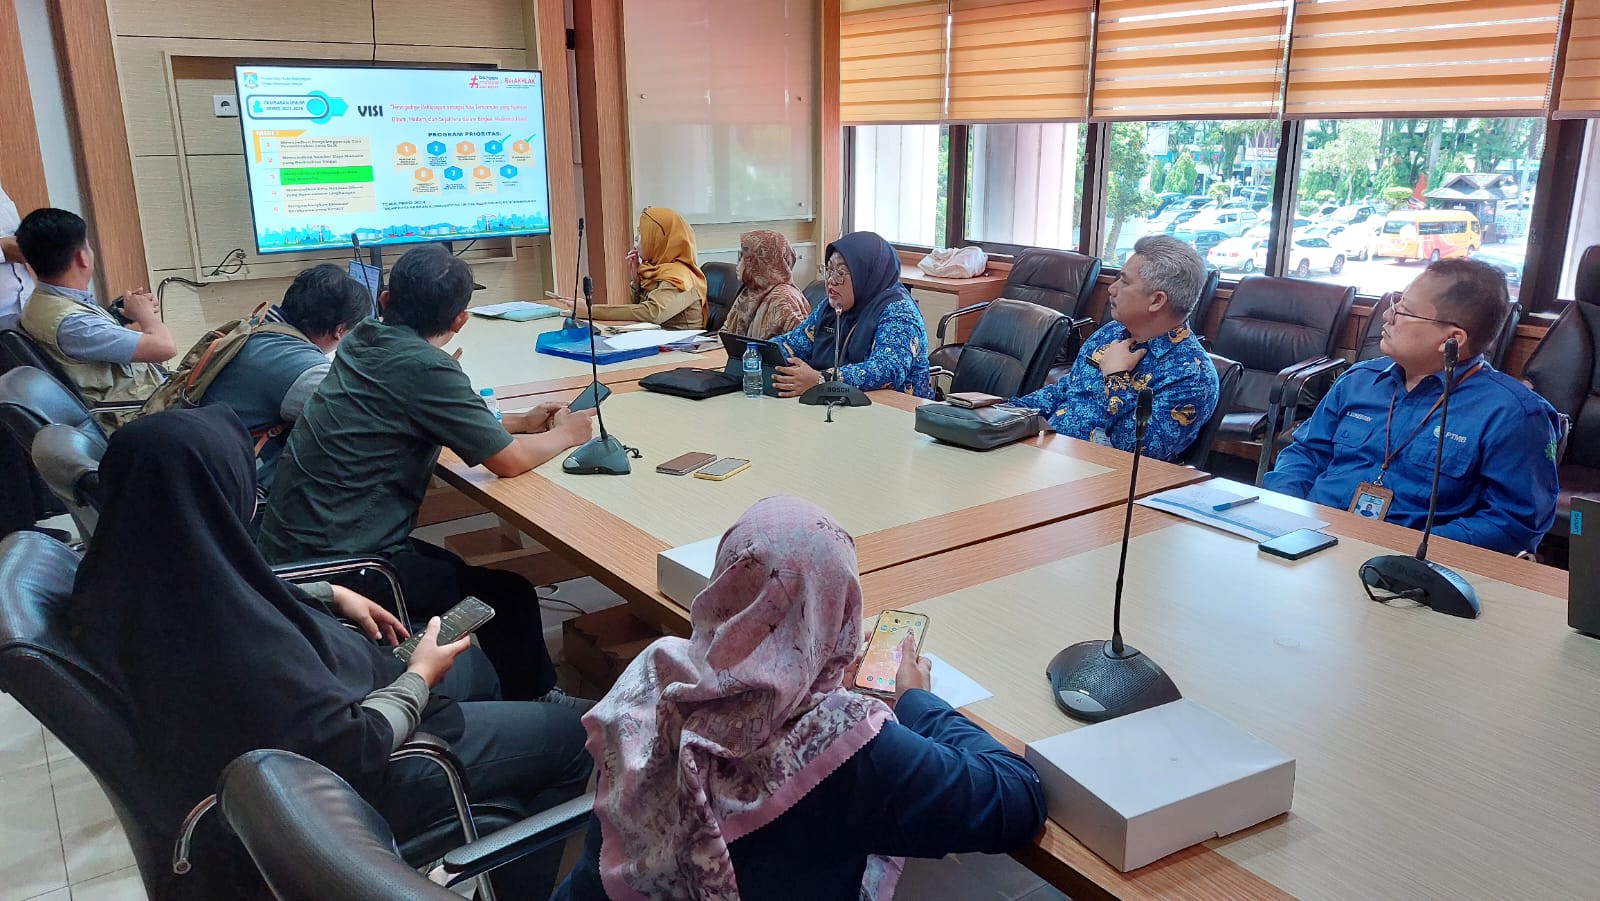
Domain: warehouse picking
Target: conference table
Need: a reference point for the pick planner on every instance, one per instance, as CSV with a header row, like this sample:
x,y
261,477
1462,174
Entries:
x,y
1436,756
499,354
901,494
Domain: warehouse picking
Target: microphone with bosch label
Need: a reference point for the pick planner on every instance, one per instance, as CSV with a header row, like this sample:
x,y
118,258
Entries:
x,y
1416,577
1101,680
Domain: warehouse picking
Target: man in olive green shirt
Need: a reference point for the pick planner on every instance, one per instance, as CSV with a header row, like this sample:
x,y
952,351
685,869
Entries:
x,y
359,460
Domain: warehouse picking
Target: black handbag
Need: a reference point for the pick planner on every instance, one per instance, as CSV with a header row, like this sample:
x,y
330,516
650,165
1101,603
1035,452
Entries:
x,y
985,428
695,384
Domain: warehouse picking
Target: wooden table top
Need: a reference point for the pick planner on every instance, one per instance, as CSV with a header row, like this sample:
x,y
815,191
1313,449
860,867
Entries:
x,y
1436,756
500,354
907,497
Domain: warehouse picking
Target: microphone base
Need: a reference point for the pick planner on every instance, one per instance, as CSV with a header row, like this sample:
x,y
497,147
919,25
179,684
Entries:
x,y
1092,683
598,456
1440,587
837,394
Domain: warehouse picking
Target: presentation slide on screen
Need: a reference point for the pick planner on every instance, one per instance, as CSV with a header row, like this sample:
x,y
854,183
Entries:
x,y
393,156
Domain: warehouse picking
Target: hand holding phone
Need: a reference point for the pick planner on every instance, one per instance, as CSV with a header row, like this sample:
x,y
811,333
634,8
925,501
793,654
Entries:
x,y
590,398
887,652
457,623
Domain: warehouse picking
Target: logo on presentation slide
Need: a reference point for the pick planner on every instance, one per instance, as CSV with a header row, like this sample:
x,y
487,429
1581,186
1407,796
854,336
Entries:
x,y
251,80
484,81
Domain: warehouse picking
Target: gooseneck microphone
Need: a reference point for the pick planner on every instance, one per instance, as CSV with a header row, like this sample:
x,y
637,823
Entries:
x,y
604,455
833,392
577,266
1101,680
1416,577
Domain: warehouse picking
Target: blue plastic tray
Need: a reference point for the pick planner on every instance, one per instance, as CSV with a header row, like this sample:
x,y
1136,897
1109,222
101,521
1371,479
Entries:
x,y
573,344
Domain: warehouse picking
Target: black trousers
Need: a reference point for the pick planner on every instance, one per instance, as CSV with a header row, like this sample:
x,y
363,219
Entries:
x,y
434,580
529,752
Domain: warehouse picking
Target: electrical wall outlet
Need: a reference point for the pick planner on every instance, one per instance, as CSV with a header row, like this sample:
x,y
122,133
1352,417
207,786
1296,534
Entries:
x,y
226,106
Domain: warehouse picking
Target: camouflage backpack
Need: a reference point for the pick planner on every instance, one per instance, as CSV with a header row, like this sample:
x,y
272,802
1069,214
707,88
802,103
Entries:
x,y
200,366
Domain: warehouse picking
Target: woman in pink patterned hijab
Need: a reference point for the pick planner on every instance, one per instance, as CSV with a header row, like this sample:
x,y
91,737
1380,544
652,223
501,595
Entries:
x,y
741,719
740,743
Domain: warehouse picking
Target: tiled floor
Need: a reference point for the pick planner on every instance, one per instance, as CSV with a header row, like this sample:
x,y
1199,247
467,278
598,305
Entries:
x,y
60,839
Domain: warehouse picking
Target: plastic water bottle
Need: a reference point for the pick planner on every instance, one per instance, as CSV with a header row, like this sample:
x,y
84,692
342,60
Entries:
x,y
752,371
488,401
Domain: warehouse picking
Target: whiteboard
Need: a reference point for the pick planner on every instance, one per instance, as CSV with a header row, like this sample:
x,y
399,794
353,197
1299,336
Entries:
x,y
721,118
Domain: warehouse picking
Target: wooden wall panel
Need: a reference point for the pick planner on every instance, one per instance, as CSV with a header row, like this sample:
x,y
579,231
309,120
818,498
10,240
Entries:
x,y
162,212
21,168
482,23
330,21
603,111
830,145
545,22
84,47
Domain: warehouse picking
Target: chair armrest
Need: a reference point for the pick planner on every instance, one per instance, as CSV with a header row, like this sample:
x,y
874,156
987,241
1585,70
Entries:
x,y
533,834
1287,387
945,319
322,568
1078,326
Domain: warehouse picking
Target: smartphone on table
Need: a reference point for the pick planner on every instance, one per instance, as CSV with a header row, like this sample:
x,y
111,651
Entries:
x,y
590,398
461,620
684,464
1297,544
726,468
882,660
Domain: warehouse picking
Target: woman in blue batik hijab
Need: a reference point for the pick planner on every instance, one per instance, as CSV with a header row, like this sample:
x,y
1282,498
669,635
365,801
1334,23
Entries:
x,y
869,321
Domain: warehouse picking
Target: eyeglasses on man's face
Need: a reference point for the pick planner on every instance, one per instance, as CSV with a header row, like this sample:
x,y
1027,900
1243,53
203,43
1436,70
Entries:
x,y
1394,307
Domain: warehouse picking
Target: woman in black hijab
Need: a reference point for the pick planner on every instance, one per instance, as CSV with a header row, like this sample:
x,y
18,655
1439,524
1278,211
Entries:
x,y
870,326
216,656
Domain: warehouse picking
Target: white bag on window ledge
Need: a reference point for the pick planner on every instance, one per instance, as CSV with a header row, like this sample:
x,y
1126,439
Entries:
x,y
955,262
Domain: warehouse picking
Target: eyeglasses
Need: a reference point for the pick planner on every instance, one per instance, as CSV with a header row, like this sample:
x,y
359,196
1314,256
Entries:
x,y
837,275
1393,306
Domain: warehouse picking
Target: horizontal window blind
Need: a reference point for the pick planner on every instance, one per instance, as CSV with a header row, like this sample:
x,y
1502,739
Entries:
x,y
892,60
1580,75
1019,60
1392,57
1191,59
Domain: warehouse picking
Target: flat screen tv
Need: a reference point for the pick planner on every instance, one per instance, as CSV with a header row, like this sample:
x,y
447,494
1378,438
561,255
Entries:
x,y
392,155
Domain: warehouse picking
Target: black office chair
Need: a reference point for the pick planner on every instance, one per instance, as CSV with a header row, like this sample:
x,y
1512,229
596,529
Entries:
x,y
1371,338
42,668
1011,349
68,460
1565,370
1281,330
816,293
722,289
1202,305
1198,454
31,399
313,837
1057,279
17,349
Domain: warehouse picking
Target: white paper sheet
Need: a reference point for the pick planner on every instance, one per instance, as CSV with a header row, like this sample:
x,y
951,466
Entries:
x,y
953,686
652,338
512,306
1258,520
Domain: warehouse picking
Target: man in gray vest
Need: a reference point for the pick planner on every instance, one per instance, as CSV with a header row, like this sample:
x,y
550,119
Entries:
x,y
105,359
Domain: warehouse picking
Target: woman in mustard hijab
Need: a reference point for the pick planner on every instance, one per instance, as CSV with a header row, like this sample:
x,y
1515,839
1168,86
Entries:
x,y
669,288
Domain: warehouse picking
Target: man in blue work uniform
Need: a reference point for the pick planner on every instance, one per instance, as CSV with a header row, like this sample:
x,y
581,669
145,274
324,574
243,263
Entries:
x,y
1149,345
1372,443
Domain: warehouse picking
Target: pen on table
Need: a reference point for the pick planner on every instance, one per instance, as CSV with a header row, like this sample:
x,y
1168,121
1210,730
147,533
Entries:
x,y
1236,502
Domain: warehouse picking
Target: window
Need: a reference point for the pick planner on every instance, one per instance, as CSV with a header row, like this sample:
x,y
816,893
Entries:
x,y
1390,195
1584,229
1207,183
1024,185
898,182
